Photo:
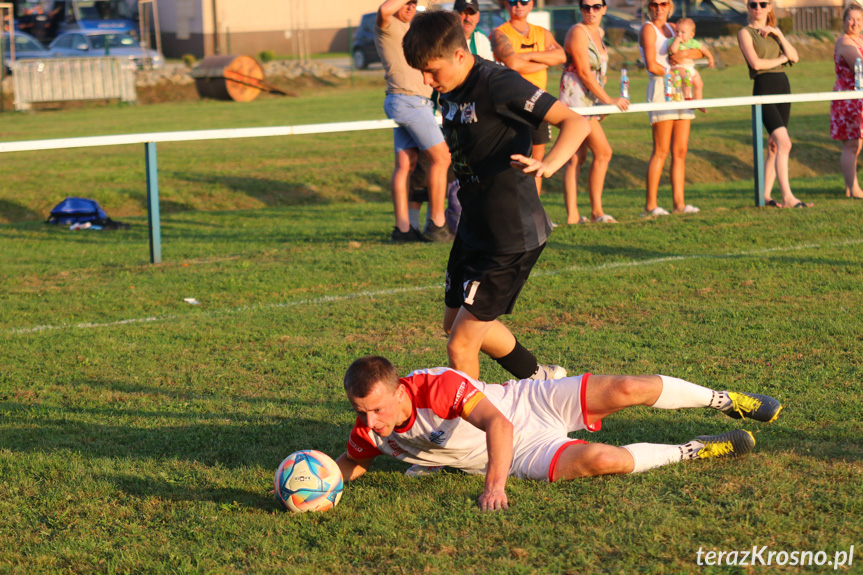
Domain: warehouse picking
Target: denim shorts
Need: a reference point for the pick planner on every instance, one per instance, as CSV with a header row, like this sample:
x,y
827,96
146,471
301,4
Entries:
x,y
417,127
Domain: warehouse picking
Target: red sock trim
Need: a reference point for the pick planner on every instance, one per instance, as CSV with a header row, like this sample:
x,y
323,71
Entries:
x,y
584,412
557,455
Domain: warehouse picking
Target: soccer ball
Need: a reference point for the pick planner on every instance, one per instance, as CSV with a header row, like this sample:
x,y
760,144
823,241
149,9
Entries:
x,y
308,480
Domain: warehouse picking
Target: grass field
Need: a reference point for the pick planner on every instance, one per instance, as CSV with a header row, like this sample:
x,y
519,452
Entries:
x,y
139,434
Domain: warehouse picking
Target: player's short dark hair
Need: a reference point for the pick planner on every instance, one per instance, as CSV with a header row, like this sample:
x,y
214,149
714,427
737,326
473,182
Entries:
x,y
367,371
433,35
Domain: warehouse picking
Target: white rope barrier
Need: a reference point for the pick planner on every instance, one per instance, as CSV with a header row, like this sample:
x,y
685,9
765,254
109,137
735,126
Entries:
x,y
236,133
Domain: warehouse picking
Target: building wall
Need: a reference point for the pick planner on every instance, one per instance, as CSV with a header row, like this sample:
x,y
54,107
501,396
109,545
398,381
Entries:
x,y
251,26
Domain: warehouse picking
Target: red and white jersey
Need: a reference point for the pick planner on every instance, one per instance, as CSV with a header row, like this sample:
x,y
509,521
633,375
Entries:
x,y
437,433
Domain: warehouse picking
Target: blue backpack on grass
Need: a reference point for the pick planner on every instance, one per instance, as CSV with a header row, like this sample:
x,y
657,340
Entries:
x,y
82,210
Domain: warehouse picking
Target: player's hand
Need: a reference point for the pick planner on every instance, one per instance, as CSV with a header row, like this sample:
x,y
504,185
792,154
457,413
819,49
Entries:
x,y
621,103
493,500
529,165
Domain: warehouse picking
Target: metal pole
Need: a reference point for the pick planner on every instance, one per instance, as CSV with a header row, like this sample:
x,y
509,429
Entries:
x,y
153,219
758,155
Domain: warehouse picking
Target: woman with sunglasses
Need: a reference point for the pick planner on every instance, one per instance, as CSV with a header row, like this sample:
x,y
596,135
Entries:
x,y
846,116
670,128
767,51
581,85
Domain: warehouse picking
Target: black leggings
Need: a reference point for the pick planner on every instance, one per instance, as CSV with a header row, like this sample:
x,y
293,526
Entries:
x,y
774,115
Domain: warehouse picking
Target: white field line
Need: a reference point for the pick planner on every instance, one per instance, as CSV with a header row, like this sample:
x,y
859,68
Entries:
x,y
397,291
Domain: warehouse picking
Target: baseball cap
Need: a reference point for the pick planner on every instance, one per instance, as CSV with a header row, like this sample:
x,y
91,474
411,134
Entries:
x,y
462,5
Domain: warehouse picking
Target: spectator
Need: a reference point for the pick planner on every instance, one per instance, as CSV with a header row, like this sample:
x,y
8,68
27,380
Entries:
x,y
477,42
582,84
846,116
529,50
767,51
407,103
670,128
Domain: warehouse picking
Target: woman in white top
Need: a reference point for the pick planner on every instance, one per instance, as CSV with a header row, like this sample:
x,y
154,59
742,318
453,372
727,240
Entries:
x,y
670,128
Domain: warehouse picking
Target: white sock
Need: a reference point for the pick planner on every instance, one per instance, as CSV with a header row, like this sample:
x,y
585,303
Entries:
x,y
651,455
414,217
678,393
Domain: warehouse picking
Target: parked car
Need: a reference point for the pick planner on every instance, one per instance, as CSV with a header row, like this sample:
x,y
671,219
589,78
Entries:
x,y
712,18
92,44
363,48
562,20
26,48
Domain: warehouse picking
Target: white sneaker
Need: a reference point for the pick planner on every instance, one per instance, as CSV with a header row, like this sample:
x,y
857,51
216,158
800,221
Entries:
x,y
655,212
546,372
688,209
419,470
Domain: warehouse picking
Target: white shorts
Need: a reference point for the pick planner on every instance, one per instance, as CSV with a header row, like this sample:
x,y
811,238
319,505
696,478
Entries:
x,y
656,94
545,413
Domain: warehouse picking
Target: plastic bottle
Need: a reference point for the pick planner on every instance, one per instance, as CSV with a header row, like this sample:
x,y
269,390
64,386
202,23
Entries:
x,y
624,85
677,85
687,85
858,74
669,88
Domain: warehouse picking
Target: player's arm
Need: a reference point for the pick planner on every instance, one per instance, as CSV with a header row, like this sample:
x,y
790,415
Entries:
x,y
386,12
573,130
498,437
506,55
352,468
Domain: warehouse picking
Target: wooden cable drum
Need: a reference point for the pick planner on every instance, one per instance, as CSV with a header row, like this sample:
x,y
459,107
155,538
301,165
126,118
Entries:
x,y
237,78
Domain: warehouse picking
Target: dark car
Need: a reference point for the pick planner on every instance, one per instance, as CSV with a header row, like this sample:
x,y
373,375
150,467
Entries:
x,y
712,18
26,48
563,19
363,48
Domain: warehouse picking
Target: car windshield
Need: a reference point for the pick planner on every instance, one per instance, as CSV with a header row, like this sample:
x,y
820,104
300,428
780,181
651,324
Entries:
x,y
22,44
102,9
114,41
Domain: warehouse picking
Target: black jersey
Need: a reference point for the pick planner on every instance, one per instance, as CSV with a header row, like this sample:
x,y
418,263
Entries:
x,y
486,119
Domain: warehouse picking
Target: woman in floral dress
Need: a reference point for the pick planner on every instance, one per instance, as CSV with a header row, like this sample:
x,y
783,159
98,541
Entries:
x,y
846,116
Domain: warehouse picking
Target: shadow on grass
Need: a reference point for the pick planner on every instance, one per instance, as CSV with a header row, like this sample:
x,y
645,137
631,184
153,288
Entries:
x,y
15,212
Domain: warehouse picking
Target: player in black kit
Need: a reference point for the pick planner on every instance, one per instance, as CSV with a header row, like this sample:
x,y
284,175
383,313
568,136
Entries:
x,y
488,113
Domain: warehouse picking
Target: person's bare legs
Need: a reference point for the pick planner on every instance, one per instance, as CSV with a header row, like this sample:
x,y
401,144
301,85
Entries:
x,y
679,148
468,336
661,147
570,183
538,153
783,153
601,149
440,160
405,161
850,152
770,169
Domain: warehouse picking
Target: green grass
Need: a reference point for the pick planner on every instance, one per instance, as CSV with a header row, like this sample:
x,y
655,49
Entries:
x,y
149,445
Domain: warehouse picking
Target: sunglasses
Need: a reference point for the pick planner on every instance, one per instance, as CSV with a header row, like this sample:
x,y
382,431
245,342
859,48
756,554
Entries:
x,y
517,2
657,5
754,5
592,7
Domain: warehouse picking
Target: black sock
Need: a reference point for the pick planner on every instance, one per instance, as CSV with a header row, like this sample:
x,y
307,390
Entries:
x,y
520,362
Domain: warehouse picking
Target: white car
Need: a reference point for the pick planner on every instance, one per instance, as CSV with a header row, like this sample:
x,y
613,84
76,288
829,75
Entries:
x,y
93,44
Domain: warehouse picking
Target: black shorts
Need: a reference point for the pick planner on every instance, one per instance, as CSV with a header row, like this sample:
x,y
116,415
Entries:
x,y
774,116
541,135
486,285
